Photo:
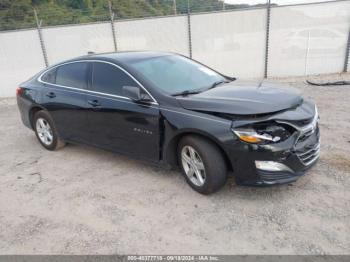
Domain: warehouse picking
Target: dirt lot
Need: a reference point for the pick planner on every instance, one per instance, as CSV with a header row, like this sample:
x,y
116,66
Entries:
x,y
82,200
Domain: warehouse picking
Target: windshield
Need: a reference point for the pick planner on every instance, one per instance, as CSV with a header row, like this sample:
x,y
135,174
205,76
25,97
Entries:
x,y
175,74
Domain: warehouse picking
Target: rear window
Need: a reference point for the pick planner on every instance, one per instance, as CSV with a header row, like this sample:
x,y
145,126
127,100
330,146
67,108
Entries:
x,y
72,75
50,76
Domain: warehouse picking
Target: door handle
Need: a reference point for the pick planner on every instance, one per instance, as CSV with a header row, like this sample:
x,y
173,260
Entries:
x,y
94,103
51,95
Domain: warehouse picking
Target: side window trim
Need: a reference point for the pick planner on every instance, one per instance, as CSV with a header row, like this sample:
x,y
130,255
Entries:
x,y
89,76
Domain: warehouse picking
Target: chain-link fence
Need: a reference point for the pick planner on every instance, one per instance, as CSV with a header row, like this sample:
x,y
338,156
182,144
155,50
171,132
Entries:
x,y
262,40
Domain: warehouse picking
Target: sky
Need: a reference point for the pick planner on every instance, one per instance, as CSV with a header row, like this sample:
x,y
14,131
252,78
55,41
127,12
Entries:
x,y
280,2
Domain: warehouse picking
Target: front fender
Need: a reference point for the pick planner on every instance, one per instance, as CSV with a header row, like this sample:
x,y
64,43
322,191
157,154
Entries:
x,y
179,122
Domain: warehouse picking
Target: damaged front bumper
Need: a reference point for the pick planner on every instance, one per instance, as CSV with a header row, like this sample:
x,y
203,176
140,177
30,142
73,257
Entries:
x,y
277,163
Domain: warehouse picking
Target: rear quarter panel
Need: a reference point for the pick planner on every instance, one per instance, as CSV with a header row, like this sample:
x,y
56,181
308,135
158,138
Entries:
x,y
29,98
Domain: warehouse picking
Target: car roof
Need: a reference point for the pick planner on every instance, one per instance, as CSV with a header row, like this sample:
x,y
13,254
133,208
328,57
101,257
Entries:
x,y
127,56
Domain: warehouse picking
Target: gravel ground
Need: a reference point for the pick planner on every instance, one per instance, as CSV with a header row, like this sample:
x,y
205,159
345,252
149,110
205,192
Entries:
x,y
82,200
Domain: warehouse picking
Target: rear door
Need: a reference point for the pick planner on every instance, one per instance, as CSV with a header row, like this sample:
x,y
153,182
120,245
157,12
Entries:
x,y
116,122
64,97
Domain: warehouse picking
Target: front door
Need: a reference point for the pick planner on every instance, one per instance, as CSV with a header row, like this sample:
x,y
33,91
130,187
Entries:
x,y
116,122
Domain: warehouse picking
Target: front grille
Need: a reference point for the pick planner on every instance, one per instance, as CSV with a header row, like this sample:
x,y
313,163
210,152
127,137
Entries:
x,y
307,146
307,134
309,154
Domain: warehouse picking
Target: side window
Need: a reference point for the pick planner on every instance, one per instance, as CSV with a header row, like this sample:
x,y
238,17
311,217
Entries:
x,y
72,75
109,79
50,76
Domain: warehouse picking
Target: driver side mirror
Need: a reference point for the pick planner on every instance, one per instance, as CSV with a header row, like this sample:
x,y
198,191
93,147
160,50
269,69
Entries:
x,y
136,94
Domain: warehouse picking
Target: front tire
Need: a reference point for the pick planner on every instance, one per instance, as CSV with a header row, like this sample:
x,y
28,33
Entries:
x,y
46,132
202,164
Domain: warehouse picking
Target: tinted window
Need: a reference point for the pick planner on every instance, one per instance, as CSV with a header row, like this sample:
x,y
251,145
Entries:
x,y
72,75
49,77
109,79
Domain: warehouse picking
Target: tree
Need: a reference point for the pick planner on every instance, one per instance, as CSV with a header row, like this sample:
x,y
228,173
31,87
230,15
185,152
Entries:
x,y
19,13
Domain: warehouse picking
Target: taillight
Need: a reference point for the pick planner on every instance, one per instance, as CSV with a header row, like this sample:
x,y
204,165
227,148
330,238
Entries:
x,y
18,91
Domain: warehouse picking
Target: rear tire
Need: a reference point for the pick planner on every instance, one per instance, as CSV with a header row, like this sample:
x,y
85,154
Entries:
x,y
46,132
206,170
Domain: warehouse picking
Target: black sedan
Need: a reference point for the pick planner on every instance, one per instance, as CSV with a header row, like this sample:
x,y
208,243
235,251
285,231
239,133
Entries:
x,y
173,111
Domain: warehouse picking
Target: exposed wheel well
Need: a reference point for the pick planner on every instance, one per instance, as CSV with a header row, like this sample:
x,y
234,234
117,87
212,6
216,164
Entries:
x,y
171,150
32,112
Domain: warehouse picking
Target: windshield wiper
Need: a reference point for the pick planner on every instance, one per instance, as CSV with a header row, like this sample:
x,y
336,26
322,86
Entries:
x,y
215,84
197,91
187,92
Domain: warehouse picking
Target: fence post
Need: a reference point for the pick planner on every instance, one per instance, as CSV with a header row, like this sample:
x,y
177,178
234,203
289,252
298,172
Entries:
x,y
268,17
347,53
175,7
111,14
41,39
189,28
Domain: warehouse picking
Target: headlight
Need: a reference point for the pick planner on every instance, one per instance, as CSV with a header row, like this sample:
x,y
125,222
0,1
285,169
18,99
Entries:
x,y
251,136
262,133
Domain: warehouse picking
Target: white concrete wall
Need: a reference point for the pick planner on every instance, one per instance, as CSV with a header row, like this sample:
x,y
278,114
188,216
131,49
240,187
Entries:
x,y
20,58
162,34
305,39
63,43
232,43
308,39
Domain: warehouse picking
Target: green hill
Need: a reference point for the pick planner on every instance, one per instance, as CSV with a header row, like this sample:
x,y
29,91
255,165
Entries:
x,y
19,13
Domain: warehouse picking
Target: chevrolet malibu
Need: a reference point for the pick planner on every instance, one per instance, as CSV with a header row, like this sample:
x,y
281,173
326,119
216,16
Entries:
x,y
173,111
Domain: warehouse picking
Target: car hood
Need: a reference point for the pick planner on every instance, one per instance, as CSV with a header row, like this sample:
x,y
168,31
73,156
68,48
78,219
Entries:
x,y
243,98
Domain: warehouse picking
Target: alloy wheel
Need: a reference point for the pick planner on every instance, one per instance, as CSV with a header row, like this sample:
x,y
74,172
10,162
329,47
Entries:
x,y
44,131
193,165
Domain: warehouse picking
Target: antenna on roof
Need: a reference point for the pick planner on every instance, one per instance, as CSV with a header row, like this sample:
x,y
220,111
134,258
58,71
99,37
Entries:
x,y
91,52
